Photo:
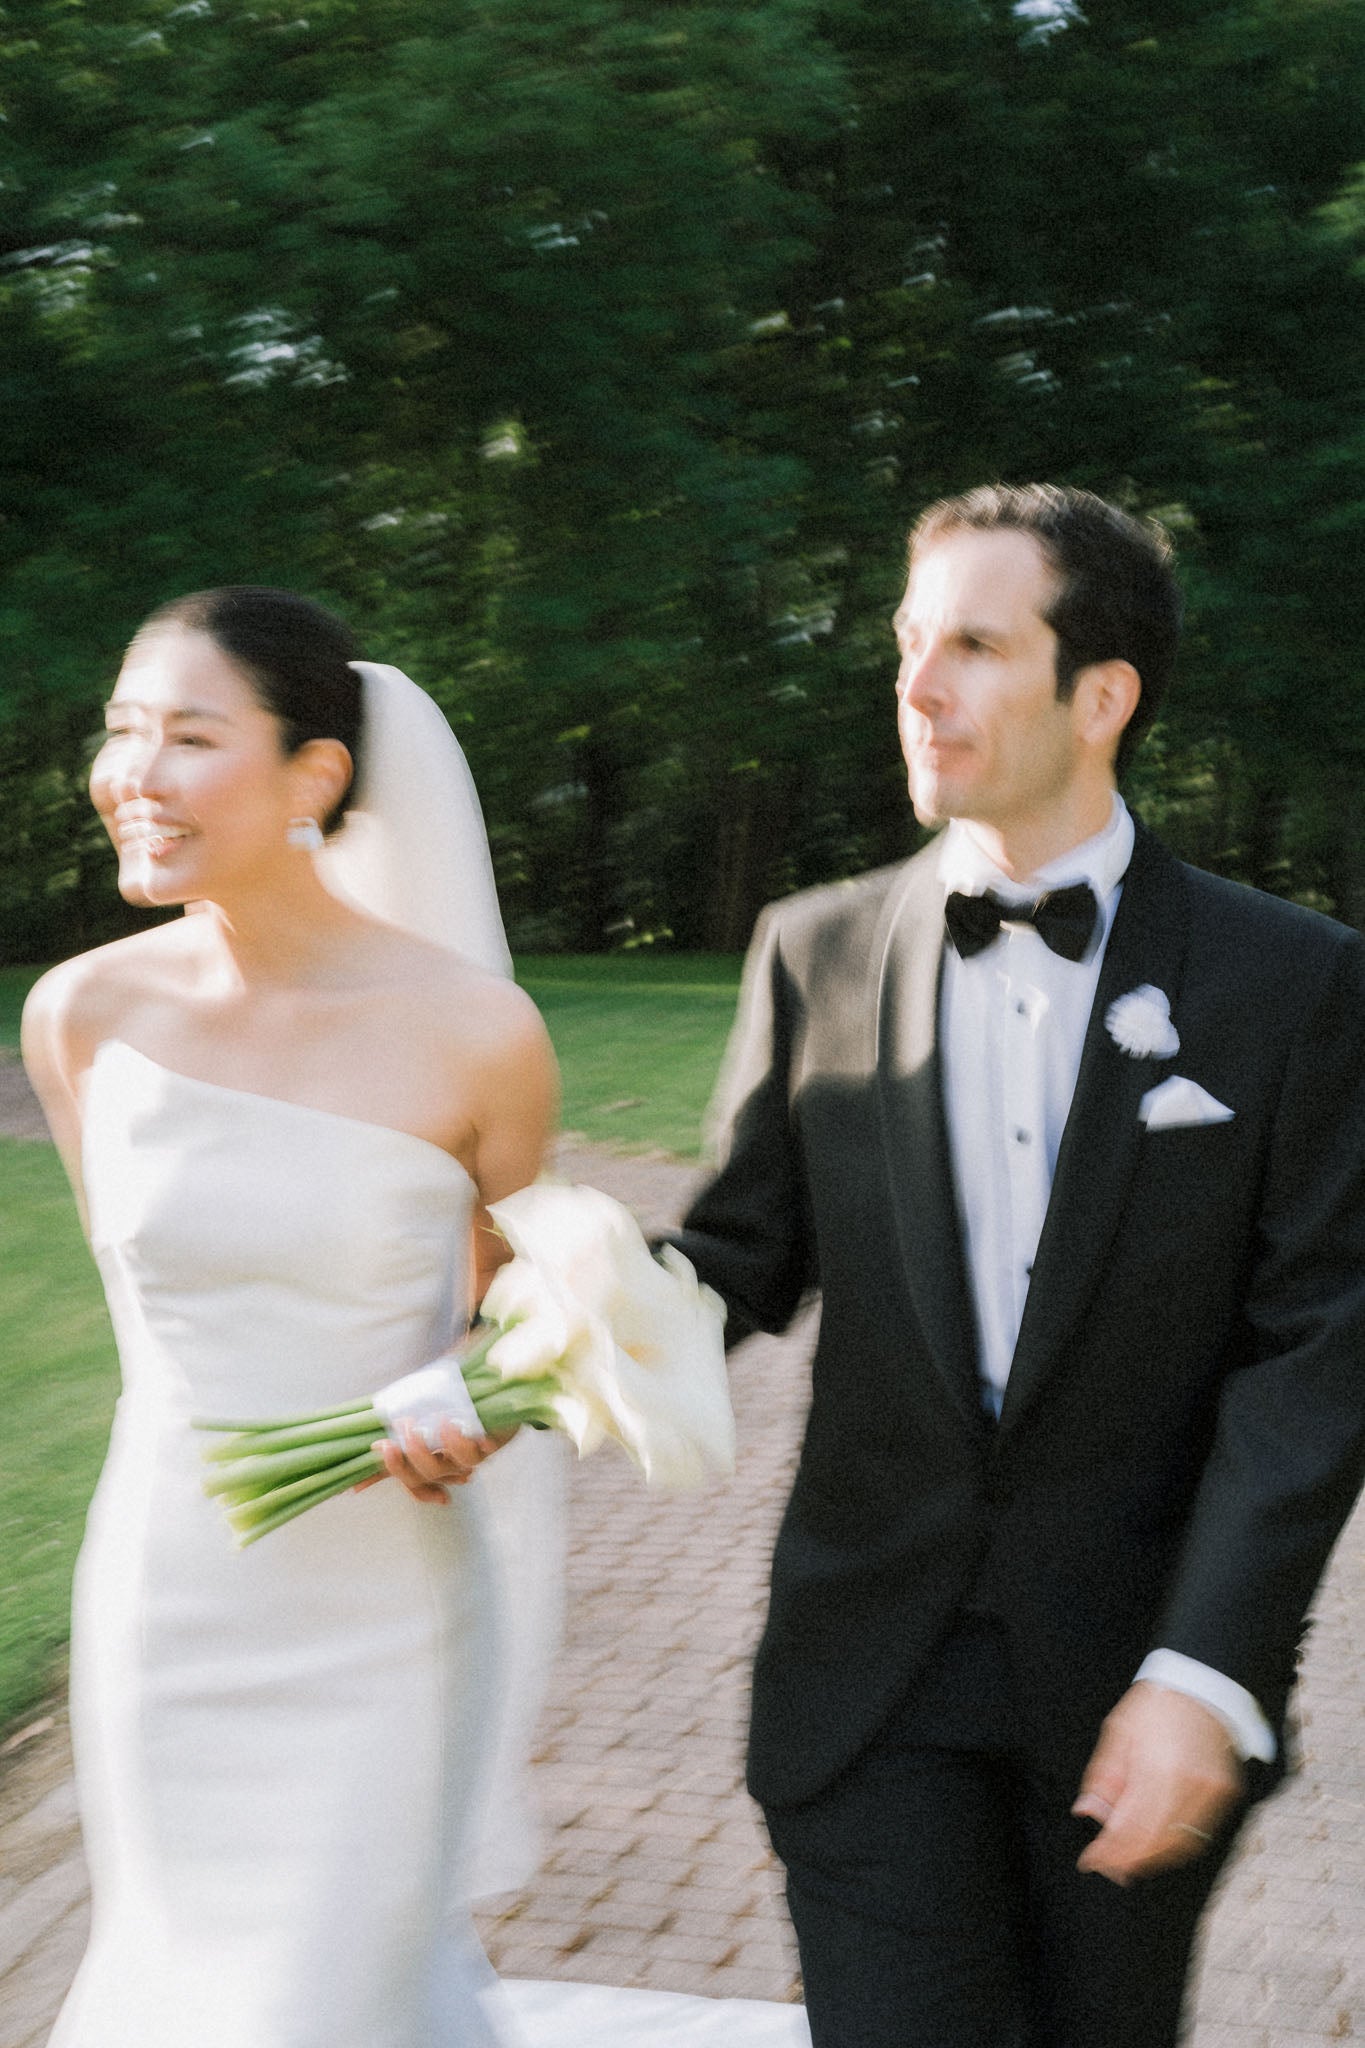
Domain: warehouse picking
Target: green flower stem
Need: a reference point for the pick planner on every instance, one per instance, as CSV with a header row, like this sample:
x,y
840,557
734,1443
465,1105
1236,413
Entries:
x,y
276,1466
247,1512
483,1378
285,1421
297,1436
517,1402
295,1507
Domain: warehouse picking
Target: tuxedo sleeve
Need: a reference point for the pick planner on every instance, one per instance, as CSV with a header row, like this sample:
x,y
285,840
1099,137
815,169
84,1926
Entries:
x,y
748,1232
1288,1454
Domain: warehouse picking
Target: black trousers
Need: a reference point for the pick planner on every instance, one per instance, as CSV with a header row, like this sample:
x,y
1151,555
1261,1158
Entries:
x,y
935,1896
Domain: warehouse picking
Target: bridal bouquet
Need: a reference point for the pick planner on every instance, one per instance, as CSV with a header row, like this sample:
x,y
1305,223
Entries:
x,y
583,1331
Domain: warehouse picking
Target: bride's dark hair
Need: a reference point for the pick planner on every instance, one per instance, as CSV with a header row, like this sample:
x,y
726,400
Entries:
x,y
294,653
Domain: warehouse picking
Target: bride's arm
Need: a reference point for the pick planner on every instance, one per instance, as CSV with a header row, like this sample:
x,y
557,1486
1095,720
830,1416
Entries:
x,y
48,1041
515,1118
515,1096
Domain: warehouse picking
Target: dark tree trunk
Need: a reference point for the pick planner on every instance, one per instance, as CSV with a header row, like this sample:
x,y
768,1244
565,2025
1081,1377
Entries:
x,y
1264,839
730,906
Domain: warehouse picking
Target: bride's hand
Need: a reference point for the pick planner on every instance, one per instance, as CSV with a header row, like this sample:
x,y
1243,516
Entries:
x,y
427,1472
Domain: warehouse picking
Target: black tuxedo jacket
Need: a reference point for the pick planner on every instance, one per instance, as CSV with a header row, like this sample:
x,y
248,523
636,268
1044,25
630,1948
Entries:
x,y
1183,1432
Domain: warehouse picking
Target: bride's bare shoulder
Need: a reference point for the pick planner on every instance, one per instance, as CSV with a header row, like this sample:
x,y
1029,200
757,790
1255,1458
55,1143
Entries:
x,y
480,1021
489,1074
76,1005
71,1010
477,1009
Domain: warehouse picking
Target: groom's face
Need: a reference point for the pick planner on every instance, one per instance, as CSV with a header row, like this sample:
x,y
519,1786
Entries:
x,y
983,732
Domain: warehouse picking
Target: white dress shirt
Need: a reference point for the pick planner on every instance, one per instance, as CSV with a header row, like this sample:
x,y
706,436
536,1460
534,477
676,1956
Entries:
x,y
1012,1025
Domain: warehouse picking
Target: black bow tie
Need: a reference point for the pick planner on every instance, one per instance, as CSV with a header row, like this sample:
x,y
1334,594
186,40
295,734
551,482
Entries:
x,y
1064,919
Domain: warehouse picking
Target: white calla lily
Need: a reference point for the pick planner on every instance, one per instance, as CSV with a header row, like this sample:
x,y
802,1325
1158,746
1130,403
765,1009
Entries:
x,y
538,1326
655,1376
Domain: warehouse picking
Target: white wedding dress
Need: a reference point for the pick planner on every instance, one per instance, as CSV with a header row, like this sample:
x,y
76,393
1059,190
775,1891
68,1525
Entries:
x,y
280,1750
277,1747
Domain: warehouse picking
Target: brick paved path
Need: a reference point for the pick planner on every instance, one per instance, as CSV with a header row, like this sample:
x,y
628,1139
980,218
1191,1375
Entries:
x,y
656,1873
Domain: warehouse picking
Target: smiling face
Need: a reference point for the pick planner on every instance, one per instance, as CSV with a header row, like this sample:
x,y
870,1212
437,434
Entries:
x,y
984,734
192,782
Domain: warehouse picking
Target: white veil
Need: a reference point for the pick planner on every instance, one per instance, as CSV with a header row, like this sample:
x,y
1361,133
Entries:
x,y
413,851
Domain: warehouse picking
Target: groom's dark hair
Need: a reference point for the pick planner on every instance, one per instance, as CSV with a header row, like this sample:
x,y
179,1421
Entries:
x,y
1117,596
296,655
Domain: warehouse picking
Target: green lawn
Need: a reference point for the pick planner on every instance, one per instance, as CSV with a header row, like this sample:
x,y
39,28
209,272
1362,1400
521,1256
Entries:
x,y
57,1387
639,1039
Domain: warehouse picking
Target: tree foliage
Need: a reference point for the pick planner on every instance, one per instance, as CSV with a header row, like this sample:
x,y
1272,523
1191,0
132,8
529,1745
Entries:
x,y
594,356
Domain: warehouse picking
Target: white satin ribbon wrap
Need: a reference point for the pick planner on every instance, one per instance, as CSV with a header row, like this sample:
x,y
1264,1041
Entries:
x,y
428,1399
414,851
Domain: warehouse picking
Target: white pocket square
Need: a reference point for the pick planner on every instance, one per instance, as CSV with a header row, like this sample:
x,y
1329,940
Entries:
x,y
1178,1101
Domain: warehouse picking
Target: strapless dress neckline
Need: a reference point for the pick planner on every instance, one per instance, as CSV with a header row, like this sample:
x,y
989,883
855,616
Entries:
x,y
115,1046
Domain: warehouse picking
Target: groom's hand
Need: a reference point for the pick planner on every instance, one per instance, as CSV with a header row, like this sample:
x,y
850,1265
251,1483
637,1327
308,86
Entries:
x,y
1162,1780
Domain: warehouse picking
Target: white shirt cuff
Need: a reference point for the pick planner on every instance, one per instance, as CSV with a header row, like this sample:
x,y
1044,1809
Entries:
x,y
1232,1703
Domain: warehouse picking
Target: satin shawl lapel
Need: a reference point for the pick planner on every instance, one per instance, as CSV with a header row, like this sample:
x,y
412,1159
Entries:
x,y
1099,1146
914,1131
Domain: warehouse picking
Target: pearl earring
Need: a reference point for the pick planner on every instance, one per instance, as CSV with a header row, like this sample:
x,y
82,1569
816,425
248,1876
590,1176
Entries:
x,y
304,832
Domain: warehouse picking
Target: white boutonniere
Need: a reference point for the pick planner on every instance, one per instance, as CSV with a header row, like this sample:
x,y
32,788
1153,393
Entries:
x,y
1140,1024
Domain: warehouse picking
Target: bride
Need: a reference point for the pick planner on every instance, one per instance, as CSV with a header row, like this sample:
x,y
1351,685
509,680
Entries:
x,y
284,1117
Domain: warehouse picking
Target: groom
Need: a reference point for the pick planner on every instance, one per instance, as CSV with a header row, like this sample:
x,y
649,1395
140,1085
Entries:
x,y
1071,1139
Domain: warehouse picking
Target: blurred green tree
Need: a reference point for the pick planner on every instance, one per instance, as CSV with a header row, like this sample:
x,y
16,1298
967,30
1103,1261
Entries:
x,y
594,356
1090,247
